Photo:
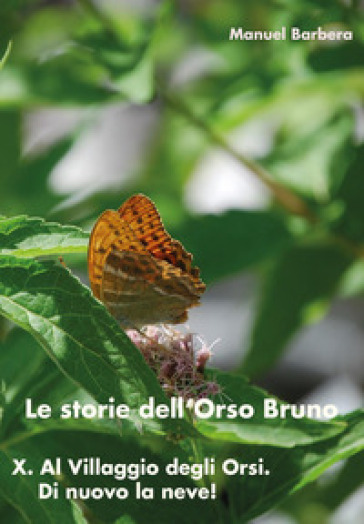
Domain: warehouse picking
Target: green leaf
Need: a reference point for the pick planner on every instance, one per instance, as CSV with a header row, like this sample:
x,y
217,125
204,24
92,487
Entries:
x,y
78,334
228,243
290,469
138,85
336,488
130,67
348,480
22,491
352,282
296,291
20,357
282,432
311,153
28,237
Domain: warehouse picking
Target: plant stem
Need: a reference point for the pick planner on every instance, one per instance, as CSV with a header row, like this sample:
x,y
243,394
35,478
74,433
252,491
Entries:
x,y
289,200
6,54
198,457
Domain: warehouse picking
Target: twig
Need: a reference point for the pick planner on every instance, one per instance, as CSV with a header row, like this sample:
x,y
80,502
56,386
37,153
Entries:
x,y
6,54
289,200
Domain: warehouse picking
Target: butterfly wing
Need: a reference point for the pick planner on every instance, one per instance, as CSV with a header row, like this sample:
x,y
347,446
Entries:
x,y
140,290
110,233
141,274
142,216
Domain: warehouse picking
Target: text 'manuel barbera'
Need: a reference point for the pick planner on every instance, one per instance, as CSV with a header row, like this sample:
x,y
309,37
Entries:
x,y
330,34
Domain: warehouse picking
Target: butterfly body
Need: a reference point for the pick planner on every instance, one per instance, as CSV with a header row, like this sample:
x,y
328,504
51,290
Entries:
x,y
137,270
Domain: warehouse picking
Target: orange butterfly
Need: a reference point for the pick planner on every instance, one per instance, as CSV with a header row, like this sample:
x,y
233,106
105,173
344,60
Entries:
x,y
141,274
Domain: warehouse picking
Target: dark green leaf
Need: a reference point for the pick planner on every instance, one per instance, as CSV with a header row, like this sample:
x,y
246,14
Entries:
x,y
231,242
26,372
130,68
290,469
10,131
20,356
296,292
337,486
349,196
22,491
345,55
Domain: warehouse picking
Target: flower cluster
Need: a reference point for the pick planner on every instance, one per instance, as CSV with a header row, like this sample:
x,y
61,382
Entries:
x,y
173,357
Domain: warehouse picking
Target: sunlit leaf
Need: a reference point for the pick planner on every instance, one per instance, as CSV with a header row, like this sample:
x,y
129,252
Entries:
x,y
28,237
259,429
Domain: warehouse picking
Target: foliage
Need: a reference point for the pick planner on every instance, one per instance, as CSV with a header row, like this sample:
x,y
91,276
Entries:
x,y
59,343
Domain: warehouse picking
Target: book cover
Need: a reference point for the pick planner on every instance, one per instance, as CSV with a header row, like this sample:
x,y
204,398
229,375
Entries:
x,y
181,261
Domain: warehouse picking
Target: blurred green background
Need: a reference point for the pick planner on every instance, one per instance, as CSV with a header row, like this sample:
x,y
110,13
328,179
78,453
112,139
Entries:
x,y
253,153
